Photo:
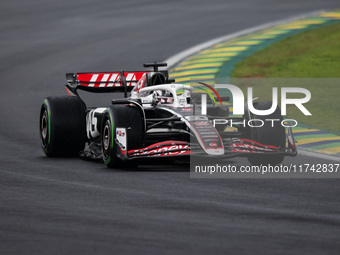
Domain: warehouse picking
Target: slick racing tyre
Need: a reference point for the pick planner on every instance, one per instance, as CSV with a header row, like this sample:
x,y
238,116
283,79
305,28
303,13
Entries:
x,y
62,126
117,118
266,135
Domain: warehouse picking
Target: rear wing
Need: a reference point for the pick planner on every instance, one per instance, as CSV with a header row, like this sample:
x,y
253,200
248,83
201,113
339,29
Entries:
x,y
103,82
122,81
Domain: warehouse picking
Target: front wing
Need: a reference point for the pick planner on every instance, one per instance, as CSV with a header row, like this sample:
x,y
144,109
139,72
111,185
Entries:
x,y
233,147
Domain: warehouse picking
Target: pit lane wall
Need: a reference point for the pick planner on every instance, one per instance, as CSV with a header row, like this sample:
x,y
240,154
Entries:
x,y
212,65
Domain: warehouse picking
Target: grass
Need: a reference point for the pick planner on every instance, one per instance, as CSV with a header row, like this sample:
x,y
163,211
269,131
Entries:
x,y
311,54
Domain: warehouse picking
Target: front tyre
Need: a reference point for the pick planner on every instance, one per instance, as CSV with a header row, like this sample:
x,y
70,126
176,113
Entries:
x,y
121,116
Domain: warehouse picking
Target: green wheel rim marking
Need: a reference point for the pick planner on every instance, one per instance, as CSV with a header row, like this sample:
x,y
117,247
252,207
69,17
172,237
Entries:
x,y
108,161
112,139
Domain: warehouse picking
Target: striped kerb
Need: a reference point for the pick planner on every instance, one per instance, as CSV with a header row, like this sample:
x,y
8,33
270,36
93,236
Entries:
x,y
212,64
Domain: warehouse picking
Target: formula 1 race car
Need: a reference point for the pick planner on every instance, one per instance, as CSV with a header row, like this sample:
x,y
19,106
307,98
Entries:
x,y
158,119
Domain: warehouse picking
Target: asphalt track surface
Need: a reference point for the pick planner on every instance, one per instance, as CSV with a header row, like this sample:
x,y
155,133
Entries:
x,y
72,206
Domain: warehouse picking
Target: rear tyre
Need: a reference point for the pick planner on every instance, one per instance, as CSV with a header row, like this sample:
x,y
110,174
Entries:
x,y
121,116
62,126
267,135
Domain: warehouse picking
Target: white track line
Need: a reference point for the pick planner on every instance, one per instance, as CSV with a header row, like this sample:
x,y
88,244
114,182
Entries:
x,y
172,61
191,51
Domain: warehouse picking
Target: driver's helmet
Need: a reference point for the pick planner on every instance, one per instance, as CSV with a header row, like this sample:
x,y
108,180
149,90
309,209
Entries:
x,y
166,100
164,97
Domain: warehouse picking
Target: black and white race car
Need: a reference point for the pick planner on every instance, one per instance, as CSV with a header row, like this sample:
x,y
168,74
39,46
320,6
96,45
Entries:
x,y
159,118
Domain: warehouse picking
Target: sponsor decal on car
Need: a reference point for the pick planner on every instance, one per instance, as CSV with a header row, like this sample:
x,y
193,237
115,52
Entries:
x,y
249,146
169,148
121,139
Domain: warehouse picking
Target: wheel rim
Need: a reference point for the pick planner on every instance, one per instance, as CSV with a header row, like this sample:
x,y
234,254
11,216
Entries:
x,y
106,137
44,128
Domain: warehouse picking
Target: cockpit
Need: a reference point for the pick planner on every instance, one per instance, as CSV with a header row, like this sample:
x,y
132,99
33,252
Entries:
x,y
176,95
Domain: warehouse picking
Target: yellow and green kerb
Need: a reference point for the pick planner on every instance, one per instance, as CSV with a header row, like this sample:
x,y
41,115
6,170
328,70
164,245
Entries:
x,y
215,64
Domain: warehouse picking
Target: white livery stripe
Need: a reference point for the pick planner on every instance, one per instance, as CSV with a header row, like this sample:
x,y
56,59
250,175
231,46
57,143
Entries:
x,y
113,78
93,79
130,77
105,78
